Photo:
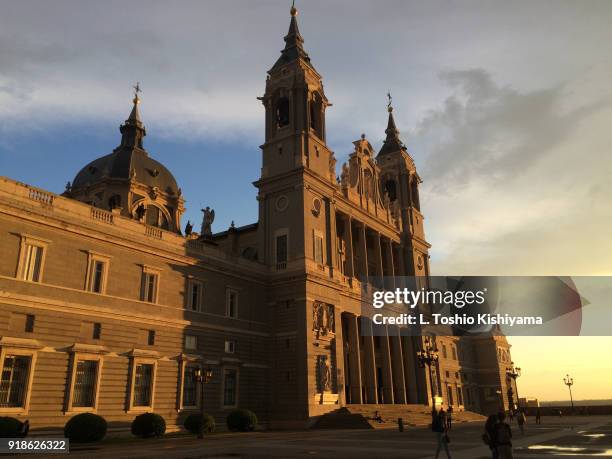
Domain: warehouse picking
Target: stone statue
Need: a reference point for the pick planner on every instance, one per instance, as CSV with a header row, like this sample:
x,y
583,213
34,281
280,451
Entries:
x,y
331,320
68,187
324,374
207,221
140,212
188,228
344,177
387,200
323,317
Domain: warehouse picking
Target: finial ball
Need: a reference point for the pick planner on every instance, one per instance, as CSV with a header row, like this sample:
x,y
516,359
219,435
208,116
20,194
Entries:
x,y
293,11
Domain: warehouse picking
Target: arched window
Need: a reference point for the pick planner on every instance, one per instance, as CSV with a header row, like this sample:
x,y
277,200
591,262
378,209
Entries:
x,y
155,217
415,194
282,112
391,189
316,123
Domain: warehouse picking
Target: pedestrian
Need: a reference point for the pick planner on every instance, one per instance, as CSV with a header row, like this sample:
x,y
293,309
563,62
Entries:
x,y
439,426
449,417
489,435
503,437
538,416
511,414
521,420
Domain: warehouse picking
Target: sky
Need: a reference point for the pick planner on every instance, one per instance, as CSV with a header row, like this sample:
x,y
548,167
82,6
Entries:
x,y
505,106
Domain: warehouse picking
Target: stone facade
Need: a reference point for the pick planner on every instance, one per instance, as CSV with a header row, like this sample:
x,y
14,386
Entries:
x,y
105,306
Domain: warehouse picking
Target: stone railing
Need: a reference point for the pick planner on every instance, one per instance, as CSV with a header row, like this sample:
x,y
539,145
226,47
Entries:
x,y
151,231
102,215
41,196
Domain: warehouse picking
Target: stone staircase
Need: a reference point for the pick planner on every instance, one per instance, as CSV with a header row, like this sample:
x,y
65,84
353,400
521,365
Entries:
x,y
361,417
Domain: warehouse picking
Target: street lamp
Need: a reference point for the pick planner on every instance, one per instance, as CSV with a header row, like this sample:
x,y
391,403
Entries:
x,y
569,382
511,374
202,377
427,357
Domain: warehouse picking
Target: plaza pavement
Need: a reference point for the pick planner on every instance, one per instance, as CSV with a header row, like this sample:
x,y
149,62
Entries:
x,y
575,437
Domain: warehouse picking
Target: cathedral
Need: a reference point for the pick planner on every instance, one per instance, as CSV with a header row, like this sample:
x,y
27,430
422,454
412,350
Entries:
x,y
108,304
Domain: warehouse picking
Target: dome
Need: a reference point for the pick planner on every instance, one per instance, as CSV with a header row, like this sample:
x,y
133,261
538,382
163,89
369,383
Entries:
x,y
121,164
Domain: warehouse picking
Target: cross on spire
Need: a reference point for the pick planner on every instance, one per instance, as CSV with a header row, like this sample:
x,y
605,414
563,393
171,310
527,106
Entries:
x,y
136,91
389,106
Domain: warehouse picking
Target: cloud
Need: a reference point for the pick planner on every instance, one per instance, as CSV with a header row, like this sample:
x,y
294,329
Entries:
x,y
516,182
485,131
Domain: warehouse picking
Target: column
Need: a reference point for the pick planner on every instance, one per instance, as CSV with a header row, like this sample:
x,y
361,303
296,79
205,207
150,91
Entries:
x,y
369,364
363,250
378,255
387,374
354,361
330,223
390,266
348,242
397,366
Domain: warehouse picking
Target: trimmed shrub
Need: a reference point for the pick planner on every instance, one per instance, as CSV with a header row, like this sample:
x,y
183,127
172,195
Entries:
x,y
195,420
241,420
148,425
85,428
10,427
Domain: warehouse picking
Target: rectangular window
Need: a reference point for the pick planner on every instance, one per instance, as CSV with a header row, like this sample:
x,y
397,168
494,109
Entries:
x,y
85,378
151,338
444,352
450,395
149,287
97,330
14,381
232,303
229,387
97,274
230,347
454,353
191,342
32,262
29,325
190,386
194,295
281,251
318,249
143,384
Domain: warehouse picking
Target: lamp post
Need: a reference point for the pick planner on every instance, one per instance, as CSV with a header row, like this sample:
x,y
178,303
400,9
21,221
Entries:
x,y
202,377
511,374
427,357
569,382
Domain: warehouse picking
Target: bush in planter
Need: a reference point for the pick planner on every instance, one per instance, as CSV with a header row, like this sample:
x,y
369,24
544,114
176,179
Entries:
x,y
195,420
11,428
241,420
148,425
85,428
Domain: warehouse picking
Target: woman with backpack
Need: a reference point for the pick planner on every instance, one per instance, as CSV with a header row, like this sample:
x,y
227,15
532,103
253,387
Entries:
x,y
489,435
440,427
503,437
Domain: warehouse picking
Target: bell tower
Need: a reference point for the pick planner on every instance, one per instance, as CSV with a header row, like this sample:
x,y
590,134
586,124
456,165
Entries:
x,y
294,146
400,181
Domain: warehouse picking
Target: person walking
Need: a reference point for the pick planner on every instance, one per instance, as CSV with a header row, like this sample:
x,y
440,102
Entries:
x,y
440,427
449,417
489,435
503,437
521,420
538,416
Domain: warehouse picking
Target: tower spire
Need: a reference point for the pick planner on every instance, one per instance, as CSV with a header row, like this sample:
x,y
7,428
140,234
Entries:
x,y
294,42
132,131
392,143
